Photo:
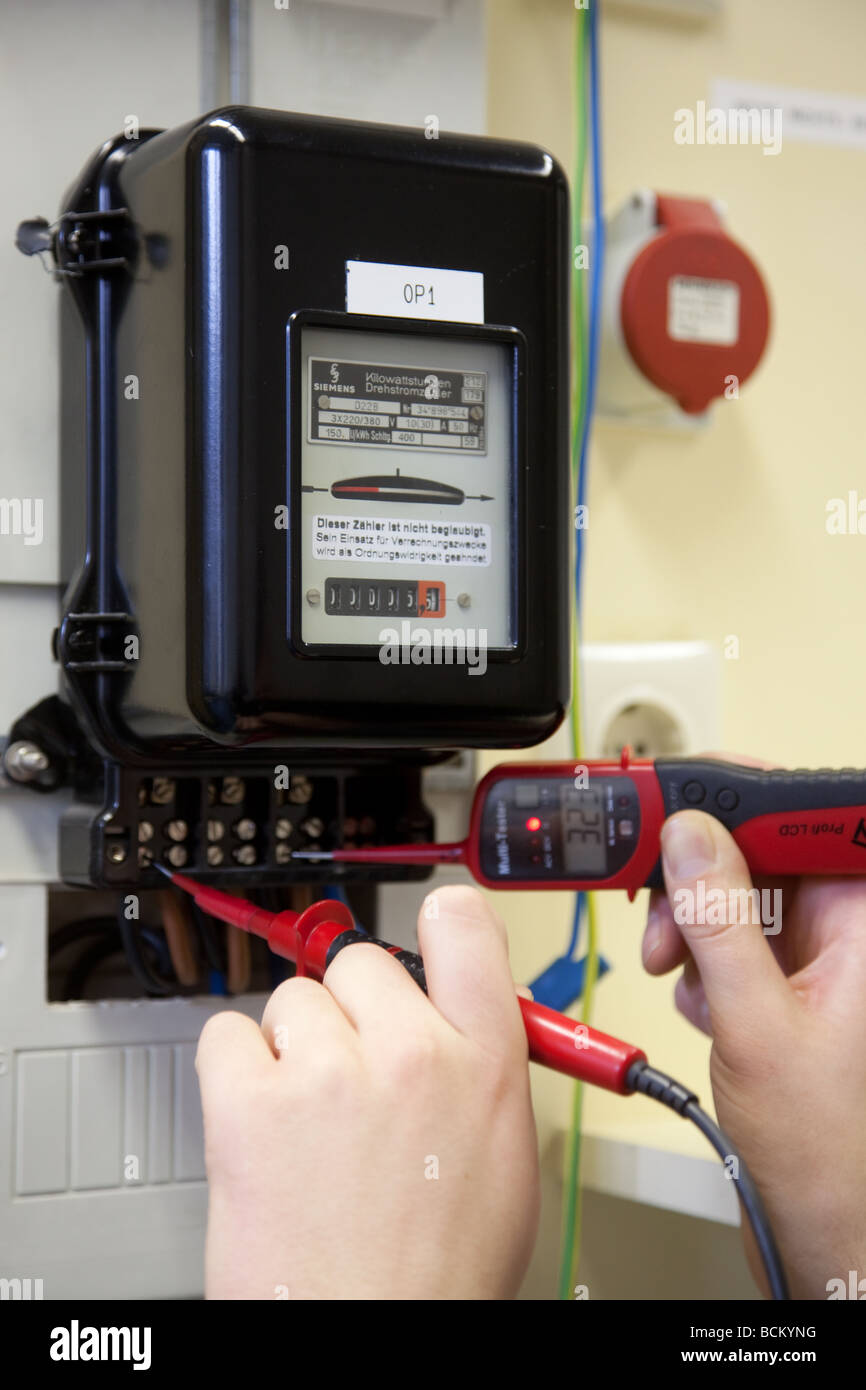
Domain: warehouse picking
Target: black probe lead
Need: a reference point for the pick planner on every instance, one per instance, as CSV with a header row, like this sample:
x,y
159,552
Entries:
x,y
661,1087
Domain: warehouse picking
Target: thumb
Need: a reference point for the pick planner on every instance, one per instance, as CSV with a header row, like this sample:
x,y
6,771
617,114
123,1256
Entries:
x,y
718,912
465,951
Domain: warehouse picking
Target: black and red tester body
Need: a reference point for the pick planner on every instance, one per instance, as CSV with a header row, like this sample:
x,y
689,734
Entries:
x,y
542,826
596,825
315,480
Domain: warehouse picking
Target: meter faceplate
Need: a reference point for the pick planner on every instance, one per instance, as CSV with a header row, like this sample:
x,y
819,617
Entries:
x,y
408,485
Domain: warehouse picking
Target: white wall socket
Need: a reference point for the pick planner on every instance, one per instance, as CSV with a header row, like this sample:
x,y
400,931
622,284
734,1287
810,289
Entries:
x,y
661,698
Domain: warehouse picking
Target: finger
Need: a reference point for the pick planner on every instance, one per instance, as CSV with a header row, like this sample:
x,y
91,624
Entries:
x,y
230,1051
465,951
375,992
710,891
663,947
299,1015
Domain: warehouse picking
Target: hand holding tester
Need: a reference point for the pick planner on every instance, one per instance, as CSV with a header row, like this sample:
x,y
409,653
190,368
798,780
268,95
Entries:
x,y
568,826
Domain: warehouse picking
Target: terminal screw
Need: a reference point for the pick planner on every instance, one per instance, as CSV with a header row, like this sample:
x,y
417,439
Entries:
x,y
162,791
215,830
145,831
176,856
116,853
246,829
283,828
300,791
215,855
233,791
245,854
177,830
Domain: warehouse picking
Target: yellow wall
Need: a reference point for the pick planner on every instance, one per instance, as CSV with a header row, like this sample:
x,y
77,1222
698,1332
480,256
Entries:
x,y
723,532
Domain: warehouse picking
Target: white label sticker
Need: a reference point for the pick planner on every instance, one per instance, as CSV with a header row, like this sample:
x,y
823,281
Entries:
x,y
821,118
414,292
408,541
703,311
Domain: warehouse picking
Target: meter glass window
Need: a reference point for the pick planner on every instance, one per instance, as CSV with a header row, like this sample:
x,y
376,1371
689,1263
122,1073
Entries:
x,y
407,488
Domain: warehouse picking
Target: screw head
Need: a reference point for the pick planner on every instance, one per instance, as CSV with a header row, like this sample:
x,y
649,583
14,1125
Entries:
x,y
215,855
116,853
177,830
215,830
300,791
233,791
313,597
162,791
176,856
282,853
24,761
283,828
245,854
246,829
464,600
145,831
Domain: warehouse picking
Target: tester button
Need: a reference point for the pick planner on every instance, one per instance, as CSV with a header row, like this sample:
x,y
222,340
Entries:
x,y
694,793
727,799
526,795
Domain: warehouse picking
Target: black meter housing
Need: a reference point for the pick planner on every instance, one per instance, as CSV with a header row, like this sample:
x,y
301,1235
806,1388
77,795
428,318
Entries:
x,y
217,380
314,489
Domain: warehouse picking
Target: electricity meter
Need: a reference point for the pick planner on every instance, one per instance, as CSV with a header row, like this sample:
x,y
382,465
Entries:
x,y
325,488
314,465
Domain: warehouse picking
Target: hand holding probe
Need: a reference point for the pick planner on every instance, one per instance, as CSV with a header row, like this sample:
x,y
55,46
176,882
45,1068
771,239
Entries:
x,y
313,938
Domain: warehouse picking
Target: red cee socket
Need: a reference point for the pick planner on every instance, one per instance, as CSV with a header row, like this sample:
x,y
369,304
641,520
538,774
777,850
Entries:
x,y
692,243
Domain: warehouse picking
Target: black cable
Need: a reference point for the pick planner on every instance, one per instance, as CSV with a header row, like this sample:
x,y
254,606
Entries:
x,y
86,962
151,982
71,932
656,1084
212,945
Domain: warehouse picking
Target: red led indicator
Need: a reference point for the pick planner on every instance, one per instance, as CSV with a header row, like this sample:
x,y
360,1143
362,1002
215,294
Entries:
x,y
533,823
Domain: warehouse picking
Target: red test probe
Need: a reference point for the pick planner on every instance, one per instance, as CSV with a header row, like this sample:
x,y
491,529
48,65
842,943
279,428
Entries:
x,y
312,939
